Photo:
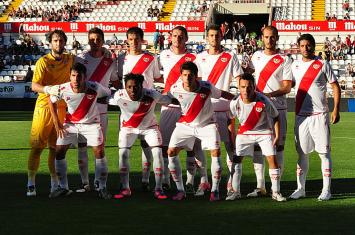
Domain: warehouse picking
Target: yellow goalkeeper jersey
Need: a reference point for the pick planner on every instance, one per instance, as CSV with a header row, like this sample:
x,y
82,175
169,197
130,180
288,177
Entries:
x,y
50,71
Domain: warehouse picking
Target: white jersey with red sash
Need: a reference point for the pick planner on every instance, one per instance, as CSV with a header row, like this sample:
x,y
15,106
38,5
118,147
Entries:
x,y
255,117
197,109
311,86
145,64
270,71
138,114
219,70
82,107
101,70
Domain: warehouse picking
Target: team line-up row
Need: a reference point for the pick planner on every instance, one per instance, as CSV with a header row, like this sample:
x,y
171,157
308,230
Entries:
x,y
197,113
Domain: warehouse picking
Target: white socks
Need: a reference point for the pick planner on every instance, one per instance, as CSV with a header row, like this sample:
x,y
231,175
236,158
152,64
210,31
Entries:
x,y
158,167
123,166
175,171
237,176
275,180
302,171
259,168
101,172
83,164
326,170
146,162
216,170
61,170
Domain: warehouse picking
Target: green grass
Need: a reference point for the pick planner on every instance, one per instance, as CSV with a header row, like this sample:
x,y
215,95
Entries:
x,y
141,214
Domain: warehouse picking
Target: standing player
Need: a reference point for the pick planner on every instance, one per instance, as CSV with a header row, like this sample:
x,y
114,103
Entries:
x,y
171,61
219,67
197,122
273,79
82,121
51,70
102,69
312,121
139,62
254,110
138,120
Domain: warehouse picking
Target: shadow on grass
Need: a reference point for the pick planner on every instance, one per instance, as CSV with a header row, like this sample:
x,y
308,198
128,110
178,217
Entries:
x,y
16,115
142,214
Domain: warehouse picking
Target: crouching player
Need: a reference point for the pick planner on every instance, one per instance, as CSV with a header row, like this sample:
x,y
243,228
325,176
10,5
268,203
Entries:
x,y
196,122
254,110
82,121
138,120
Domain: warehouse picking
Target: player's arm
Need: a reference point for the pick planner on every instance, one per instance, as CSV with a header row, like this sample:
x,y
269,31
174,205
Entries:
x,y
226,95
38,76
231,128
285,88
53,110
336,97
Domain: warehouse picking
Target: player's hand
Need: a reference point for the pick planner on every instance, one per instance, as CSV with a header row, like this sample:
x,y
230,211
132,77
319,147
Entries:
x,y
335,118
52,90
274,142
61,132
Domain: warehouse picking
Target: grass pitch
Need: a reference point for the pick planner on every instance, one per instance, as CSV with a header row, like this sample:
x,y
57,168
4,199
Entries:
x,y
142,214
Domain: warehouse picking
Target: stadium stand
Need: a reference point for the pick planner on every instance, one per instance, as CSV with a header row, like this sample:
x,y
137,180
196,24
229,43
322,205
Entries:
x,y
340,8
292,9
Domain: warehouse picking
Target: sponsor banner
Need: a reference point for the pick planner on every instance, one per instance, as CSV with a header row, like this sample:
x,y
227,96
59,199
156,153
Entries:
x,y
107,27
16,90
315,26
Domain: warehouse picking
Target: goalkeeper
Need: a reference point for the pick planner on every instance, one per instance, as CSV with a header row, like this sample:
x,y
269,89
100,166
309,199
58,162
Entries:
x,y
51,69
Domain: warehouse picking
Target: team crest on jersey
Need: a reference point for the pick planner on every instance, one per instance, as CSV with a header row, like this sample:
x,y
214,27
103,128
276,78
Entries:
x,y
180,96
106,63
203,96
187,59
146,60
124,104
259,109
224,60
203,60
316,66
67,98
276,61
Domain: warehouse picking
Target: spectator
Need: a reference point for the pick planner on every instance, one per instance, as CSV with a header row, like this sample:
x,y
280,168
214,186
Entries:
x,y
29,75
156,12
346,5
327,16
242,31
161,41
346,16
349,69
156,40
333,18
150,11
114,40
200,48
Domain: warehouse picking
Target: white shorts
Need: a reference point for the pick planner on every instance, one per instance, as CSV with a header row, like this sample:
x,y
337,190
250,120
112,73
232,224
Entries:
x,y
312,133
222,124
283,127
103,124
184,137
128,136
168,119
245,145
87,133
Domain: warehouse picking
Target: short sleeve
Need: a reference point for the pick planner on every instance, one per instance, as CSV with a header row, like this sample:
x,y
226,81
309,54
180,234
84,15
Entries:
x,y
286,70
236,69
329,73
40,71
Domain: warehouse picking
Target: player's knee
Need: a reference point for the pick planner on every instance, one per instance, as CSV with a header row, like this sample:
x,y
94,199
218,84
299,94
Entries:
x,y
215,152
280,148
173,152
82,145
190,154
237,159
257,148
272,162
99,152
60,152
36,151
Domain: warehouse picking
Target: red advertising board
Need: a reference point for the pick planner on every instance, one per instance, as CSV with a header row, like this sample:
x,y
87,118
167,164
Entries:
x,y
107,27
315,26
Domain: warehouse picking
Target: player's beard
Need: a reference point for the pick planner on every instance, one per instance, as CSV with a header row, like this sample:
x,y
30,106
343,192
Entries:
x,y
59,52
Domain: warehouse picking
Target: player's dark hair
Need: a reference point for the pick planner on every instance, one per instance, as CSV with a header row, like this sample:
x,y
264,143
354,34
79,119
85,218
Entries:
x,y
133,76
272,28
248,77
191,66
78,67
58,32
98,31
308,37
135,30
214,27
182,29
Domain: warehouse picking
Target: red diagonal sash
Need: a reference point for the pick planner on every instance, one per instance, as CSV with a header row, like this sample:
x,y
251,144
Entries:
x,y
174,73
196,105
306,83
83,108
219,67
136,119
101,70
253,118
142,64
267,71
